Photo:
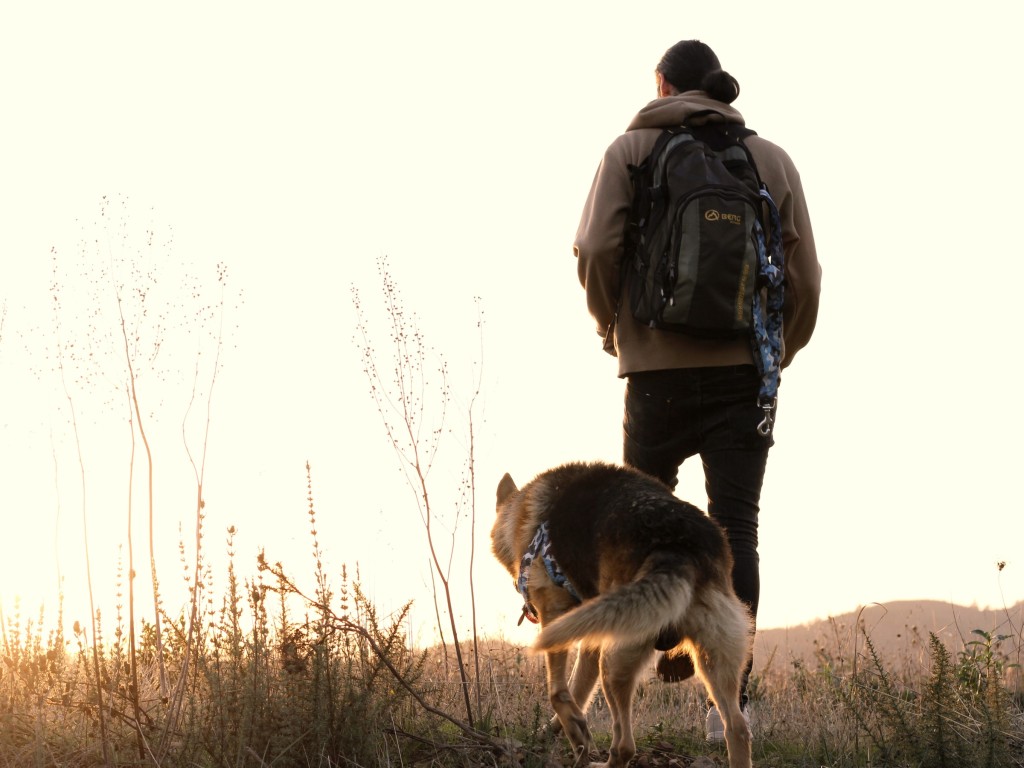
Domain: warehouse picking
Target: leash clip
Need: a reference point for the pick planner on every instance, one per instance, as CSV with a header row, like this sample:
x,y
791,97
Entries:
x,y
768,406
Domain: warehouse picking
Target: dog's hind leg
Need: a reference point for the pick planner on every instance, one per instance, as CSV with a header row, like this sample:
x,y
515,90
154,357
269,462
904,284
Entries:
x,y
582,682
620,667
725,693
722,649
566,709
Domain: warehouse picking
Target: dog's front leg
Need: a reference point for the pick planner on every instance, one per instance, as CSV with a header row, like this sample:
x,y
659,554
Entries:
x,y
566,709
581,684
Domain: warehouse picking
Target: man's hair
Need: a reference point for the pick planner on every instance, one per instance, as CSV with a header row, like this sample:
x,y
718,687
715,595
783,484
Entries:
x,y
691,65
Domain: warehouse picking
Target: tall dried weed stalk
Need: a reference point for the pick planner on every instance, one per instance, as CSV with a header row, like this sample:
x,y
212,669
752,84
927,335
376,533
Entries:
x,y
413,399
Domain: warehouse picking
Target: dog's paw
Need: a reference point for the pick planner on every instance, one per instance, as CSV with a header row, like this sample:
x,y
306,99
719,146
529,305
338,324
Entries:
x,y
551,729
610,763
581,740
583,758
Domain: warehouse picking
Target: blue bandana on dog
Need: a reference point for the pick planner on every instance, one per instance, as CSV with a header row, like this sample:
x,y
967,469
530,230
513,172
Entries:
x,y
541,546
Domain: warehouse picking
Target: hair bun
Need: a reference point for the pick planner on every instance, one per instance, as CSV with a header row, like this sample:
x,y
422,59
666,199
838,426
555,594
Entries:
x,y
720,85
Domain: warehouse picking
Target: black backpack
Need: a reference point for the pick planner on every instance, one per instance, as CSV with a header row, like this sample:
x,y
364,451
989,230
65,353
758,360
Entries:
x,y
691,252
703,245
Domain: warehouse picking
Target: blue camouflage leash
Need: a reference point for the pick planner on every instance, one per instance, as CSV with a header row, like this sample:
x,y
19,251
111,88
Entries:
x,y
541,547
767,328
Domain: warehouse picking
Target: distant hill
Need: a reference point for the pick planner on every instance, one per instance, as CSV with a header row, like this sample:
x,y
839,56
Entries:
x,y
897,630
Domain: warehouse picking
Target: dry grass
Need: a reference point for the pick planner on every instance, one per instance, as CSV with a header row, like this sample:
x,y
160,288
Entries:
x,y
336,687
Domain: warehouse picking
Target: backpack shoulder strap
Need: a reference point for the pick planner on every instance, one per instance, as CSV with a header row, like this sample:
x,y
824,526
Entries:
x,y
636,172
642,178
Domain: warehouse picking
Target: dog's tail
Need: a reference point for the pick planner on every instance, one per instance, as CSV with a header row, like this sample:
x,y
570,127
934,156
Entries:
x,y
633,612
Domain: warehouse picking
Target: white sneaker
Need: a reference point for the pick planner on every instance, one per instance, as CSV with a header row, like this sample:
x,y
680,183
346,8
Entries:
x,y
715,728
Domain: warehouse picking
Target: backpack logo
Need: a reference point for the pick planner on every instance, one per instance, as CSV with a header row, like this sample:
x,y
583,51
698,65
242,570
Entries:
x,y
731,218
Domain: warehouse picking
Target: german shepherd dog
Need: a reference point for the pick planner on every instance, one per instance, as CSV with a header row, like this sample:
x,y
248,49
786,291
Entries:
x,y
626,562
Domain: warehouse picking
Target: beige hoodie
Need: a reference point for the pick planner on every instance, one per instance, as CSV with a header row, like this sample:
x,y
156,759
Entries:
x,y
599,245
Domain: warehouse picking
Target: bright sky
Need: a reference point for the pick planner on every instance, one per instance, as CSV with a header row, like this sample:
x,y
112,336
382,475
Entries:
x,y
300,145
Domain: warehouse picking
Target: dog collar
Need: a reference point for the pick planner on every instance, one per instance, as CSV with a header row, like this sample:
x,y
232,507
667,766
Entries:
x,y
541,547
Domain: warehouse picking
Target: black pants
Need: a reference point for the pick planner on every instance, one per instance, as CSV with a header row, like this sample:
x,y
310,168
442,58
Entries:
x,y
673,415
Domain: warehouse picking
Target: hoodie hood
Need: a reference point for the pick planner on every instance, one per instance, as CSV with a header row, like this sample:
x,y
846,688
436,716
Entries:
x,y
676,110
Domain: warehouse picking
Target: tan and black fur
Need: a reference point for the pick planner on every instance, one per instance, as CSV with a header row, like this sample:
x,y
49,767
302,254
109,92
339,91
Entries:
x,y
642,561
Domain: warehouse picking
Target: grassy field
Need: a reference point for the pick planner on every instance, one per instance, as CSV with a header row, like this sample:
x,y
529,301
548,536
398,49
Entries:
x,y
257,682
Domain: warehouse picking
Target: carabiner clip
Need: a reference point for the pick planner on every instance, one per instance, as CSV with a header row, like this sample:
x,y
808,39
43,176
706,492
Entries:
x,y
765,427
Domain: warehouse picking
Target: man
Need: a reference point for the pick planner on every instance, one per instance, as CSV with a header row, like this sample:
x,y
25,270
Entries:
x,y
687,396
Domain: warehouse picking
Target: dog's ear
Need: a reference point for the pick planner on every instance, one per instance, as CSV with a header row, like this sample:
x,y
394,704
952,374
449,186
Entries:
x,y
506,487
